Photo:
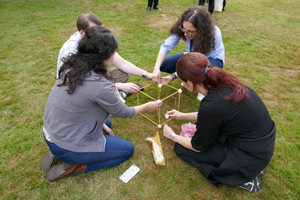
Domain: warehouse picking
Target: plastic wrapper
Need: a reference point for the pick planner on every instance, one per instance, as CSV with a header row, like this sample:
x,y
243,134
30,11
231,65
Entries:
x,y
188,130
157,150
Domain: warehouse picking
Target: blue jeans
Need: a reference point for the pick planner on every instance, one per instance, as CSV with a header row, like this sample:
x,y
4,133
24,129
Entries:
x,y
169,64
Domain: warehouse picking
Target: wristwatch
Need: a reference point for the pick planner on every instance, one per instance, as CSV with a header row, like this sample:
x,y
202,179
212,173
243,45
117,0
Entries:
x,y
174,75
144,74
172,135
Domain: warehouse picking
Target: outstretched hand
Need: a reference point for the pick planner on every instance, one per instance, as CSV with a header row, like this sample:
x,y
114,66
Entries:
x,y
167,131
175,114
128,87
156,76
165,80
153,105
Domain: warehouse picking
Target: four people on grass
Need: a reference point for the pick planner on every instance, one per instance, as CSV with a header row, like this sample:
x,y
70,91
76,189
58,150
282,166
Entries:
x,y
235,135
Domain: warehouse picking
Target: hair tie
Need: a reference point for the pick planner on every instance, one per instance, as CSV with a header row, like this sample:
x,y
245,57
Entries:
x,y
206,70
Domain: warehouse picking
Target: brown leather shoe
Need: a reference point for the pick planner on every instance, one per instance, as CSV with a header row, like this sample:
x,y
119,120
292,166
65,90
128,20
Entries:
x,y
64,170
47,161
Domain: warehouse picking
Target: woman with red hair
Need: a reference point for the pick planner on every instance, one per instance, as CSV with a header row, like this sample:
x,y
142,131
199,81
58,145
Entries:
x,y
235,136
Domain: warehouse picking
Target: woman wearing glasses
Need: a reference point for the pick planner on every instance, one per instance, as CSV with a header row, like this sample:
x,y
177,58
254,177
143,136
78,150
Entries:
x,y
235,136
198,30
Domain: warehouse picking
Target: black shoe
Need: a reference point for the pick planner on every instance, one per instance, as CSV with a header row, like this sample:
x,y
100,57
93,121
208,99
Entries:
x,y
262,172
156,8
252,186
124,94
142,89
148,9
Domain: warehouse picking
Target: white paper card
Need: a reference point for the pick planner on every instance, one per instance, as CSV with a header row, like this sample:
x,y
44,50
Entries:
x,y
129,173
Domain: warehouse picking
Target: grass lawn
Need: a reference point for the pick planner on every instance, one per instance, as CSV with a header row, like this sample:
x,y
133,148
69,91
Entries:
x,y
262,47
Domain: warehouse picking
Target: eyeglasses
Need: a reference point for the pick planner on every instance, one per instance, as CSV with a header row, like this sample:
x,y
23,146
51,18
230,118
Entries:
x,y
190,33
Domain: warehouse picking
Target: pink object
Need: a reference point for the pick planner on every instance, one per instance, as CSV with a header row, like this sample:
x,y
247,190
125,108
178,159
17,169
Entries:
x,y
188,130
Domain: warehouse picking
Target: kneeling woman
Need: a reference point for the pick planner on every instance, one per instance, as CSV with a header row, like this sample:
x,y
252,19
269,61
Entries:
x,y
79,103
198,30
235,136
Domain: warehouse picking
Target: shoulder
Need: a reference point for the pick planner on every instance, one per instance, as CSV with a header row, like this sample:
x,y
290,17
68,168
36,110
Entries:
x,y
71,44
217,31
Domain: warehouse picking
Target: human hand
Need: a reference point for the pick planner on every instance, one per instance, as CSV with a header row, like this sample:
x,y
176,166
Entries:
x,y
153,105
156,76
107,130
149,76
165,80
167,131
128,87
175,114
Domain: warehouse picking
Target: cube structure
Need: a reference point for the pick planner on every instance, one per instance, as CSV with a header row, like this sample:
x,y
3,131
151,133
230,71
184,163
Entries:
x,y
159,98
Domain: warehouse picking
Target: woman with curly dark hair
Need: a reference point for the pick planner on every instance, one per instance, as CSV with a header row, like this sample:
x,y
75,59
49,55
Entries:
x,y
235,136
79,103
198,30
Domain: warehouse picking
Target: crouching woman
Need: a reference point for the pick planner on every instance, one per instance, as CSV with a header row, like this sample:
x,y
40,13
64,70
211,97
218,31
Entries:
x,y
79,103
235,135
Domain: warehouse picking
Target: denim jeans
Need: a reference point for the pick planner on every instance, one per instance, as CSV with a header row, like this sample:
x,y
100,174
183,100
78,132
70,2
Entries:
x,y
117,150
213,156
169,64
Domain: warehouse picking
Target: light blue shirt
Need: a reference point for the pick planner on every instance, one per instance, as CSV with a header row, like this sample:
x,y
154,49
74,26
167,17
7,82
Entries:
x,y
218,53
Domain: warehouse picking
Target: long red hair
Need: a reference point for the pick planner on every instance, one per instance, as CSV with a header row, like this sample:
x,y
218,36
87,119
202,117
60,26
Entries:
x,y
191,66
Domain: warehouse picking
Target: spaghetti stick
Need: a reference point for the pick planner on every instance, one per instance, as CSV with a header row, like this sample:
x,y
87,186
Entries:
x,y
170,95
178,101
147,95
148,85
149,119
172,87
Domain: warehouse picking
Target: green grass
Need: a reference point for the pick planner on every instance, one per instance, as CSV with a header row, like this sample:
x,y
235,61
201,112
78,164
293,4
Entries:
x,y
262,47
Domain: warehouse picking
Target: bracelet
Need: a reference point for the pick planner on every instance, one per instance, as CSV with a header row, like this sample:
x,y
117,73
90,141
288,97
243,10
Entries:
x,y
172,135
174,74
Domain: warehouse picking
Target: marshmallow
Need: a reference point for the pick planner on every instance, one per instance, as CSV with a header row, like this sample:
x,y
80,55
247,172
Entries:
x,y
180,90
158,126
159,85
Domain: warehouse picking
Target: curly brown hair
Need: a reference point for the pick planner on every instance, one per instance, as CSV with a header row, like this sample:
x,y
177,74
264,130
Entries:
x,y
205,24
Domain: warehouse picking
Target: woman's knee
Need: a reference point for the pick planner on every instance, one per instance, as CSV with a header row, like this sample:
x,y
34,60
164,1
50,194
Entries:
x,y
169,64
178,149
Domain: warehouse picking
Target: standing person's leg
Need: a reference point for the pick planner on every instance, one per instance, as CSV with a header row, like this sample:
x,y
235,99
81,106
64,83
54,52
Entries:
x,y
214,156
224,4
155,6
169,64
150,2
211,6
201,2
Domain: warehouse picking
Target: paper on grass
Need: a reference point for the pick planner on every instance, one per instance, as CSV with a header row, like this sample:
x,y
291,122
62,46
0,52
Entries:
x,y
157,150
